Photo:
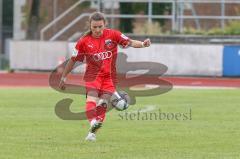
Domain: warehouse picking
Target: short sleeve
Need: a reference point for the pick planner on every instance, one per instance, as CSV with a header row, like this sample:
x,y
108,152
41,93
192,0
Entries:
x,y
78,51
122,39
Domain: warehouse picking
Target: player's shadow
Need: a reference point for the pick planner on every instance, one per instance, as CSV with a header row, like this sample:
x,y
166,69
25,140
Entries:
x,y
151,77
126,83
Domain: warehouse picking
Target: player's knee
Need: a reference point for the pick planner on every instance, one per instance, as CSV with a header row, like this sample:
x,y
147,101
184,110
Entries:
x,y
91,99
105,96
92,96
102,102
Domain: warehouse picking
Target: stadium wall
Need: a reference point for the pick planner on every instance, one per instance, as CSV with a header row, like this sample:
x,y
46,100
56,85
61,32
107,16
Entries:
x,y
36,55
181,59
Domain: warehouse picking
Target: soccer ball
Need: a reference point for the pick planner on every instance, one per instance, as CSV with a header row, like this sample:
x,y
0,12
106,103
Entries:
x,y
120,100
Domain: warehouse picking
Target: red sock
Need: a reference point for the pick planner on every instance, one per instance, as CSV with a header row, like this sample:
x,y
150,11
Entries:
x,y
101,112
90,110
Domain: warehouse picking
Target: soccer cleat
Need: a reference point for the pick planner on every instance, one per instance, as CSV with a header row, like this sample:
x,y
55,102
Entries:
x,y
91,137
95,125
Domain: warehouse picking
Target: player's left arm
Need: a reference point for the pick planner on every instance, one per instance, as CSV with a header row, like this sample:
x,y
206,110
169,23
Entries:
x,y
139,44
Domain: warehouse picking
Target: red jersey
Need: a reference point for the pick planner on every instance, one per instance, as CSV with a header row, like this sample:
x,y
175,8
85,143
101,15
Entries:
x,y
100,53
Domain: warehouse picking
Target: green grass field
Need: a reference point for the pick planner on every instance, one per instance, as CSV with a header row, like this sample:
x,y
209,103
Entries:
x,y
30,129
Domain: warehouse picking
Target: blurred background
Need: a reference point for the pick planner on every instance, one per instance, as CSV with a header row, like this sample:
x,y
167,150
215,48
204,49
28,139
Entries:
x,y
37,35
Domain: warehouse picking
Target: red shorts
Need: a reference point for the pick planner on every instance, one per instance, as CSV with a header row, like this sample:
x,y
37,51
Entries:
x,y
103,85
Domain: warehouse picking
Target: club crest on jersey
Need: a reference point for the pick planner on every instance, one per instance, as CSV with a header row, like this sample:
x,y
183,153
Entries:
x,y
109,44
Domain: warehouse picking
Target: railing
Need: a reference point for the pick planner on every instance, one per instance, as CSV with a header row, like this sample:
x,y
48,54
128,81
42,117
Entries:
x,y
43,30
58,34
63,30
177,16
68,26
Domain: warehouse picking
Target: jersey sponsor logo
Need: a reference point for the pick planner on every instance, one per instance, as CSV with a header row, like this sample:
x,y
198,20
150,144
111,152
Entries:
x,y
102,56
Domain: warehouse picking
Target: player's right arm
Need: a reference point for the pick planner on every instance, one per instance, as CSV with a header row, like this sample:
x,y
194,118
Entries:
x,y
77,55
68,68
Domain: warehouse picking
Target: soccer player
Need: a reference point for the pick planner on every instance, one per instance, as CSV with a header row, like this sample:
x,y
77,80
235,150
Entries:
x,y
98,47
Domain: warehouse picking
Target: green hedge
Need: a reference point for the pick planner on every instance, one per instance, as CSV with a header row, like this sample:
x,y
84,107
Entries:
x,y
233,28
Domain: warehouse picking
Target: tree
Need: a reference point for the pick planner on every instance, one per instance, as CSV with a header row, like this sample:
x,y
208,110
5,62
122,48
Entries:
x,y
126,24
136,8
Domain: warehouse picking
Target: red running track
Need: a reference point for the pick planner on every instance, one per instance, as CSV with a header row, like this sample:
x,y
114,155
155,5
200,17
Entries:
x,y
41,80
